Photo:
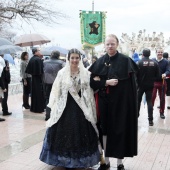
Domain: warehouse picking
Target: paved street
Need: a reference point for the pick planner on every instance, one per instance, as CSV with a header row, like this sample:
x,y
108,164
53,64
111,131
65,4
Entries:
x,y
23,132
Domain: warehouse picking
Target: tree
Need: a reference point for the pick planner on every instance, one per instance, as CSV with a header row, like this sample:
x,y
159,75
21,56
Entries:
x,y
39,10
8,34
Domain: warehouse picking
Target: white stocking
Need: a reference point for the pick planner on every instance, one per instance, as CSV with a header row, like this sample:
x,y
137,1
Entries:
x,y
104,146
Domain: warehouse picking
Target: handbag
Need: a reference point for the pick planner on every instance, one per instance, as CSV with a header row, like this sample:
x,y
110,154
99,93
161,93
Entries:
x,y
47,115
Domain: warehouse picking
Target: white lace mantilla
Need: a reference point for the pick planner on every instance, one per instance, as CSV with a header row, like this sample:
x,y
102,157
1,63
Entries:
x,y
58,97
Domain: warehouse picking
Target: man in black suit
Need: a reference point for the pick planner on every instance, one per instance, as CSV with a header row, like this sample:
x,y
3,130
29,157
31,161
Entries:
x,y
147,74
6,78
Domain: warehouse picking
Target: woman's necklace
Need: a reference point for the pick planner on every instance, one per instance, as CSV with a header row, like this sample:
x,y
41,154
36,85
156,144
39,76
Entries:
x,y
74,74
74,77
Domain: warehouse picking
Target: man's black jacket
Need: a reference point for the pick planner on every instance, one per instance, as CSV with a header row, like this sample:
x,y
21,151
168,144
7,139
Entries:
x,y
6,77
148,72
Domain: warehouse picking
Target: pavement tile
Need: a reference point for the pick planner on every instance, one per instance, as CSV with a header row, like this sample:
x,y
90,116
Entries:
x,y
21,130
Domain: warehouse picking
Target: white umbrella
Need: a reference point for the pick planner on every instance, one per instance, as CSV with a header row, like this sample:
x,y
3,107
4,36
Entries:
x,y
4,41
46,52
9,49
9,58
31,40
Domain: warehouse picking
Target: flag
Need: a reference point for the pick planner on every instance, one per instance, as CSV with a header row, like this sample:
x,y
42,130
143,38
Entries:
x,y
92,27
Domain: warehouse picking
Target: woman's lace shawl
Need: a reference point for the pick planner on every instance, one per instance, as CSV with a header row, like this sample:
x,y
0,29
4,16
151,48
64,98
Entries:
x,y
59,92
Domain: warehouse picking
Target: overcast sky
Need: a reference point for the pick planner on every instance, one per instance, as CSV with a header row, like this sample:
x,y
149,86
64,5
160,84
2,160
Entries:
x,y
123,16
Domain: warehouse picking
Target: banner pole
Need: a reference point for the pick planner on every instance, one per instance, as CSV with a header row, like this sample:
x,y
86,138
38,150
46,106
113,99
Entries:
x,y
93,11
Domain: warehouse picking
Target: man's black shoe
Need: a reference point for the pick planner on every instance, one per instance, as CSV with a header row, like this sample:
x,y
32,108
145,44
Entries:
x,y
1,119
7,113
158,107
168,107
121,167
104,166
151,123
162,116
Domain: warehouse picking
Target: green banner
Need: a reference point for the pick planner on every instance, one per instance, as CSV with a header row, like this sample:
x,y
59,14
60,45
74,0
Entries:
x,y
92,27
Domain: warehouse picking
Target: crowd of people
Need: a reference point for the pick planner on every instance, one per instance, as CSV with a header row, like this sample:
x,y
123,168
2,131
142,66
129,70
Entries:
x,y
153,77
91,107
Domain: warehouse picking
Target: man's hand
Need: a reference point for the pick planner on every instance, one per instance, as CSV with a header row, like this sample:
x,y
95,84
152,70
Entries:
x,y
112,82
5,90
97,78
163,76
25,82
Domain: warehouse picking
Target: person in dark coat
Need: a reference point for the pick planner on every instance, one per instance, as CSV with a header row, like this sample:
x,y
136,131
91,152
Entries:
x,y
4,90
35,68
26,80
51,68
2,86
114,76
147,74
6,78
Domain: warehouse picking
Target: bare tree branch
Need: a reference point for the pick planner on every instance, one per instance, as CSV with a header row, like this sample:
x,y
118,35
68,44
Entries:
x,y
10,35
28,10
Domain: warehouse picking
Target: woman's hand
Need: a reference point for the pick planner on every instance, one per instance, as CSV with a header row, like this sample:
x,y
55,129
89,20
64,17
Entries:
x,y
112,82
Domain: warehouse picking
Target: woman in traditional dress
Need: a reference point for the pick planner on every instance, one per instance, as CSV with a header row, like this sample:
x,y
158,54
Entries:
x,y
71,140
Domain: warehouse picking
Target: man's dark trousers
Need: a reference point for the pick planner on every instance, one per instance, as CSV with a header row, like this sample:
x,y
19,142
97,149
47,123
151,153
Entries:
x,y
48,88
148,92
4,100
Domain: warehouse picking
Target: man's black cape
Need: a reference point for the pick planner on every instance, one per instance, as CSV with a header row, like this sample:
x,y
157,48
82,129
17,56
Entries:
x,y
35,68
117,106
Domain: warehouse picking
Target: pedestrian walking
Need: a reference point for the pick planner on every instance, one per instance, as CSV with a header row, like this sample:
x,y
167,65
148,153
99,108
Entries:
x,y
147,74
51,68
160,85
